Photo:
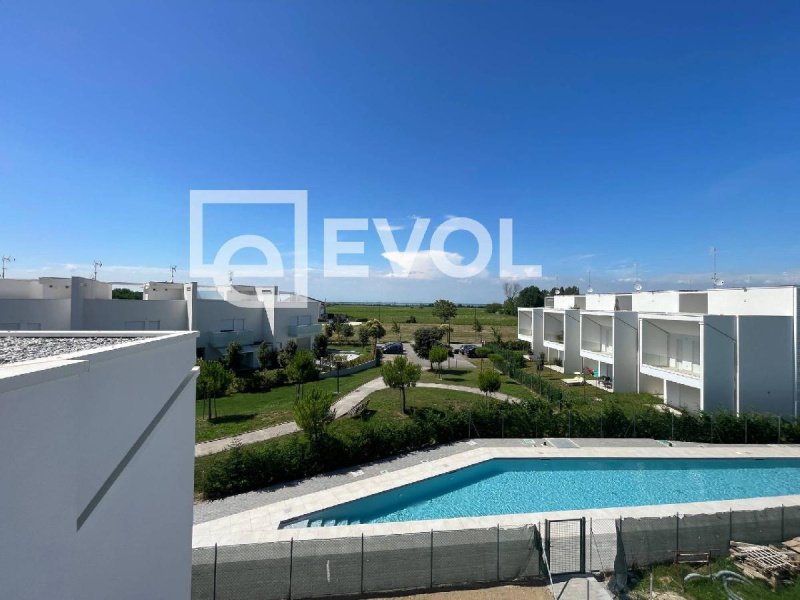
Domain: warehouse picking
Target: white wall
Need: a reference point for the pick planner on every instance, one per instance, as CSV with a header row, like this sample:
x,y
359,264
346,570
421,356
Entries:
x,y
48,314
718,348
67,426
693,302
121,315
658,302
778,301
572,341
766,365
626,356
538,331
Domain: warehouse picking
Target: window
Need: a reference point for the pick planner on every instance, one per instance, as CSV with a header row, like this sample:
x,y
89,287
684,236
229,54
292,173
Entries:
x,y
154,325
232,325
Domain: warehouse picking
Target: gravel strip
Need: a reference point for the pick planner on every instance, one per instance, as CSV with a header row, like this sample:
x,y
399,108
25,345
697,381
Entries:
x,y
18,349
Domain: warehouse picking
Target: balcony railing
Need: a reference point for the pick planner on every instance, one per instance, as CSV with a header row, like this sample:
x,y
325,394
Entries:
x,y
221,339
671,363
591,346
558,338
524,331
305,330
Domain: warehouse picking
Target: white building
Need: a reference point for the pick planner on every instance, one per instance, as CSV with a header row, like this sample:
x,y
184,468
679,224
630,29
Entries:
x,y
247,314
97,439
732,349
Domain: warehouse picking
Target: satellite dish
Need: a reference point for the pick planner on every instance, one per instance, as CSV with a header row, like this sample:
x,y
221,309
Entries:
x,y
590,290
637,286
558,292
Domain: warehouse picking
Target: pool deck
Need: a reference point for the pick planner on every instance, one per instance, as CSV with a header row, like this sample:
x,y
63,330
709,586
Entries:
x,y
255,517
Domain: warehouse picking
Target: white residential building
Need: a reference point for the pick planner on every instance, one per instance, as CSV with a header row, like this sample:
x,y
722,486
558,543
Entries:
x,y
247,314
97,439
732,349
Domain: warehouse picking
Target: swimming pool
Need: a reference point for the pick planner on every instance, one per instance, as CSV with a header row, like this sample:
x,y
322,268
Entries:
x,y
514,486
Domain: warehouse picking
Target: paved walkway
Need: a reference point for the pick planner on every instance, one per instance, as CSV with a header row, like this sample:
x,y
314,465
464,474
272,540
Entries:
x,y
580,587
340,409
458,361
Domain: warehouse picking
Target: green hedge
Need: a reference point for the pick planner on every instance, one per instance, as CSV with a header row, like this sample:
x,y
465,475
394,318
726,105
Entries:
x,y
353,442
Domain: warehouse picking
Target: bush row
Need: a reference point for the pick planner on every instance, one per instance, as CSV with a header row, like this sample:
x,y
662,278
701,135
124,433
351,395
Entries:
x,y
248,468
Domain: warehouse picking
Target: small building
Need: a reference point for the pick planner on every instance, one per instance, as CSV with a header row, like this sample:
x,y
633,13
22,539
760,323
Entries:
x,y
96,484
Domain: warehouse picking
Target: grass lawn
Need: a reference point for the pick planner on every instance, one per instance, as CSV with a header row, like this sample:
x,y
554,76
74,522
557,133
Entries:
x,y
469,377
669,578
239,413
386,404
462,322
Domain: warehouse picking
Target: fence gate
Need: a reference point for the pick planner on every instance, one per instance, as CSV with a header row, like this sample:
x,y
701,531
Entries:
x,y
565,545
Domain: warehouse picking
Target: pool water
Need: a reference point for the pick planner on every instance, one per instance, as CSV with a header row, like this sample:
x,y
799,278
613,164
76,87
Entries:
x,y
511,486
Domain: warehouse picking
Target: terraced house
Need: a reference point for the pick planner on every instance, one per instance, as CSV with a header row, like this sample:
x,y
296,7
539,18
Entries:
x,y
731,349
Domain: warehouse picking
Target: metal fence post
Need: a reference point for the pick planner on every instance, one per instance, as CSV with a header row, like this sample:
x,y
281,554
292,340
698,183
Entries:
x,y
214,580
362,563
783,530
745,429
677,534
779,429
291,565
431,558
730,526
498,552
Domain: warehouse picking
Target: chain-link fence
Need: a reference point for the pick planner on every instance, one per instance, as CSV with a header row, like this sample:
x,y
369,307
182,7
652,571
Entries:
x,y
367,564
662,539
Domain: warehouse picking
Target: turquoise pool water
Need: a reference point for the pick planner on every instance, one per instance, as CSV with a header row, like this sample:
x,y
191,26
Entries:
x,y
509,486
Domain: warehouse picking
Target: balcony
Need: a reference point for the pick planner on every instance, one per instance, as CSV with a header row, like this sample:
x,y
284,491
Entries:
x,y
671,363
221,339
299,331
526,332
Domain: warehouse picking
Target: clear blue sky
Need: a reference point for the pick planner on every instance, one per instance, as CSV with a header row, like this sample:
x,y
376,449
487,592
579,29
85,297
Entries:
x,y
612,133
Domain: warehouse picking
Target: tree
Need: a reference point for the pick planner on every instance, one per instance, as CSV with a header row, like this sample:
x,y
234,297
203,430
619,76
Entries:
x,y
320,347
477,327
445,310
437,355
510,290
493,307
400,374
489,381
125,294
327,330
212,382
425,338
346,330
363,336
497,335
267,356
287,354
396,329
530,297
375,331
481,353
313,413
233,357
302,369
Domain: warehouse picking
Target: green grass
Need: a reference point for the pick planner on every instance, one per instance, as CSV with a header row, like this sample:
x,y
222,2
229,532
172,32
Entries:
x,y
670,578
239,413
469,377
423,314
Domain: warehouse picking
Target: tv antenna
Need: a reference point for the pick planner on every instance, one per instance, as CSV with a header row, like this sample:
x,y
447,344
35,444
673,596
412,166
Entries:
x,y
172,269
7,260
715,279
97,265
230,277
637,285
590,289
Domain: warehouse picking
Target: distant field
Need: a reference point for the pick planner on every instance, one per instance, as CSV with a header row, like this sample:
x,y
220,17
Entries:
x,y
423,314
462,323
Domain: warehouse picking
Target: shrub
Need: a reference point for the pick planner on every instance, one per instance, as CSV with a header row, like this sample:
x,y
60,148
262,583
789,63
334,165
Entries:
x,y
425,338
267,356
411,319
489,381
273,378
320,347
313,414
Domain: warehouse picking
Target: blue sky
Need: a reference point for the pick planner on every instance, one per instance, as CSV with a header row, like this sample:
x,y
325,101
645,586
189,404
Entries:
x,y
612,133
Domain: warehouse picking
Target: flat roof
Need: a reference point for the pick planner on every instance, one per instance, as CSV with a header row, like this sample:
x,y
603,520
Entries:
x,y
20,347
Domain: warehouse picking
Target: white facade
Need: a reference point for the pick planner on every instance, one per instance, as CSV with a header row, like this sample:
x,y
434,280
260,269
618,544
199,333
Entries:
x,y
731,349
96,483
247,314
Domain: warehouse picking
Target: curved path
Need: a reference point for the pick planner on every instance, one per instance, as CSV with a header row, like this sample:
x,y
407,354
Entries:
x,y
340,409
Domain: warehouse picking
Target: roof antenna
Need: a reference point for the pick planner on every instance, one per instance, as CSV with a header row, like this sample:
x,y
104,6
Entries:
x,y
637,285
172,269
230,277
6,260
717,281
590,289
97,265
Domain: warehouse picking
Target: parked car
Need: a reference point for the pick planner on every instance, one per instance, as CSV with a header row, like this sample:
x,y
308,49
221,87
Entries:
x,y
392,348
468,350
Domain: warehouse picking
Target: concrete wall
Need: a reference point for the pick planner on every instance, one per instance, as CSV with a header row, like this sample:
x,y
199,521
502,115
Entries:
x,y
626,355
121,315
693,302
766,365
658,302
778,301
682,396
538,331
572,341
606,302
27,314
68,424
718,350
